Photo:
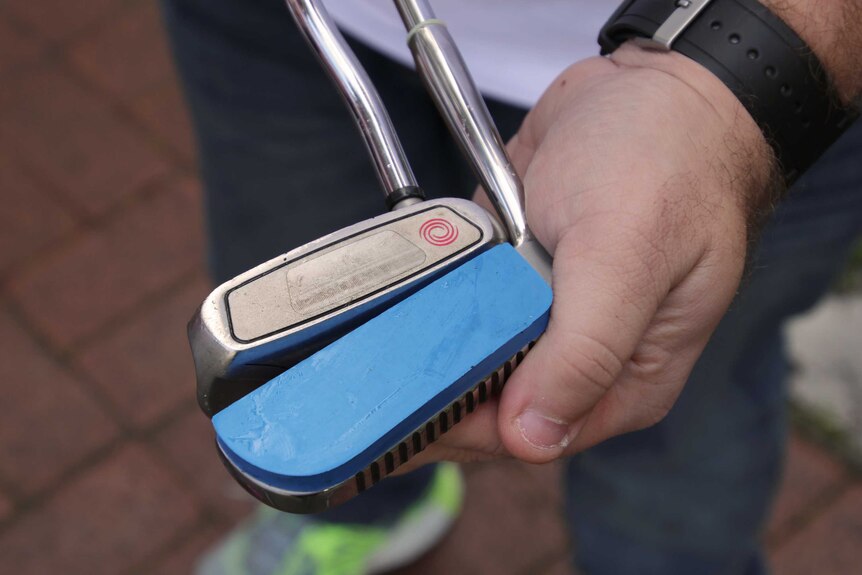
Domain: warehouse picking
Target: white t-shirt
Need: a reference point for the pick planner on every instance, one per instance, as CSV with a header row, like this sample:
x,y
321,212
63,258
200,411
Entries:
x,y
514,48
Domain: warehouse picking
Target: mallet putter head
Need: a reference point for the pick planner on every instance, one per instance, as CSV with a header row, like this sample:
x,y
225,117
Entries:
x,y
253,327
342,419
346,417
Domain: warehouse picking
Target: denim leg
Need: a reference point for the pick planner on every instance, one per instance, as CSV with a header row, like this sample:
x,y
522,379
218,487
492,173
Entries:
x,y
690,494
281,160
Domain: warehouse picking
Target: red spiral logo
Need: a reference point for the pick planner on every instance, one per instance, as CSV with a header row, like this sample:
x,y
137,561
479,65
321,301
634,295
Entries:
x,y
439,232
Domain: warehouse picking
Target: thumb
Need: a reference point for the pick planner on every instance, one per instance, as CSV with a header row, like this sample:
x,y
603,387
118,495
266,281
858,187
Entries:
x,y
600,313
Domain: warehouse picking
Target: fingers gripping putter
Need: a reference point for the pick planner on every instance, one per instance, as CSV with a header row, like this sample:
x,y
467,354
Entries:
x,y
349,414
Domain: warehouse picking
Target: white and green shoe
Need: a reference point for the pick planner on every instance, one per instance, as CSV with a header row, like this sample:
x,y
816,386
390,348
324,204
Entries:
x,y
276,543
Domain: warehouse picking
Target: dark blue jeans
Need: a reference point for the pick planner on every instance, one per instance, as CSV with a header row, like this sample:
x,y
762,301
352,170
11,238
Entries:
x,y
283,164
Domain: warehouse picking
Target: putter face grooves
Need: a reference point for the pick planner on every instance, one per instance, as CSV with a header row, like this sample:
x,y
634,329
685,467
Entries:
x,y
440,424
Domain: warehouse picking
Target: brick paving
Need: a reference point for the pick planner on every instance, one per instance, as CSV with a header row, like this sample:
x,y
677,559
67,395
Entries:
x,y
106,466
829,543
31,220
63,133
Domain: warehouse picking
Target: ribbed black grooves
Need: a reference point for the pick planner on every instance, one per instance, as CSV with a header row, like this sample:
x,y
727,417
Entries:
x,y
440,424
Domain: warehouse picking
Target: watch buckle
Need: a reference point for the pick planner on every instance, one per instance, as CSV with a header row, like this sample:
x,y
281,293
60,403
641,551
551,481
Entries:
x,y
679,20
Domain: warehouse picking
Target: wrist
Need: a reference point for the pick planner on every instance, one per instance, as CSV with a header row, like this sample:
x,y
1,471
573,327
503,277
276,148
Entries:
x,y
832,31
776,75
745,160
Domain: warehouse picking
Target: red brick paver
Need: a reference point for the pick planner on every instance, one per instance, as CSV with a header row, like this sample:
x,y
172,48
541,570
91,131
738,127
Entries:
x,y
5,507
830,545
183,559
61,19
109,272
188,445
30,219
17,47
114,517
145,367
49,423
809,476
128,55
500,530
562,566
73,140
161,111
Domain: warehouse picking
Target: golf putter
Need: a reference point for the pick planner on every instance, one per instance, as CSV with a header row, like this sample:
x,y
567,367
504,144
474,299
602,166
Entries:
x,y
256,325
344,418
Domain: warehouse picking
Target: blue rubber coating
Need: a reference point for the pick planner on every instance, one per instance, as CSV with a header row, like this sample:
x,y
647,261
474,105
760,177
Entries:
x,y
333,414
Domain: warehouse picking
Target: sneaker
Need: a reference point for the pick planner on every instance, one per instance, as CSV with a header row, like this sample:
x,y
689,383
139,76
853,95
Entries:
x,y
276,543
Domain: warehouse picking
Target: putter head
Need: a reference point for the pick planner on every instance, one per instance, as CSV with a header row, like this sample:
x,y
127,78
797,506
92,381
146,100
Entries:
x,y
253,327
435,330
344,418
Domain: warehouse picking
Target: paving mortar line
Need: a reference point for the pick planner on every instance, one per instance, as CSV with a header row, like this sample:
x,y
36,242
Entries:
x,y
25,504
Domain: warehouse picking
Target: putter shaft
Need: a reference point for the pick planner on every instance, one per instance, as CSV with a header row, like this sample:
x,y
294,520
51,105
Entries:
x,y
362,98
449,82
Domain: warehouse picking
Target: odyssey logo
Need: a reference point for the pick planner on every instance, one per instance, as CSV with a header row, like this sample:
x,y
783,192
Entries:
x,y
439,232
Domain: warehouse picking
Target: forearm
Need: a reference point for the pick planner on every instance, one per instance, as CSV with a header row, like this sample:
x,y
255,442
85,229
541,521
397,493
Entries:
x,y
833,30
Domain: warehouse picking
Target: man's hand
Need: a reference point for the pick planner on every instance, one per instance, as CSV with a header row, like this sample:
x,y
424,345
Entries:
x,y
645,177
642,174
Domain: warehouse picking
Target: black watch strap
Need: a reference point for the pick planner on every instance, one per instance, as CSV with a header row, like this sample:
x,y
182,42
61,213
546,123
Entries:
x,y
767,65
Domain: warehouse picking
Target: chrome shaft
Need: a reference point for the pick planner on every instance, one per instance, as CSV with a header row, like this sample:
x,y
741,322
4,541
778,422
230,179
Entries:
x,y
359,93
447,79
